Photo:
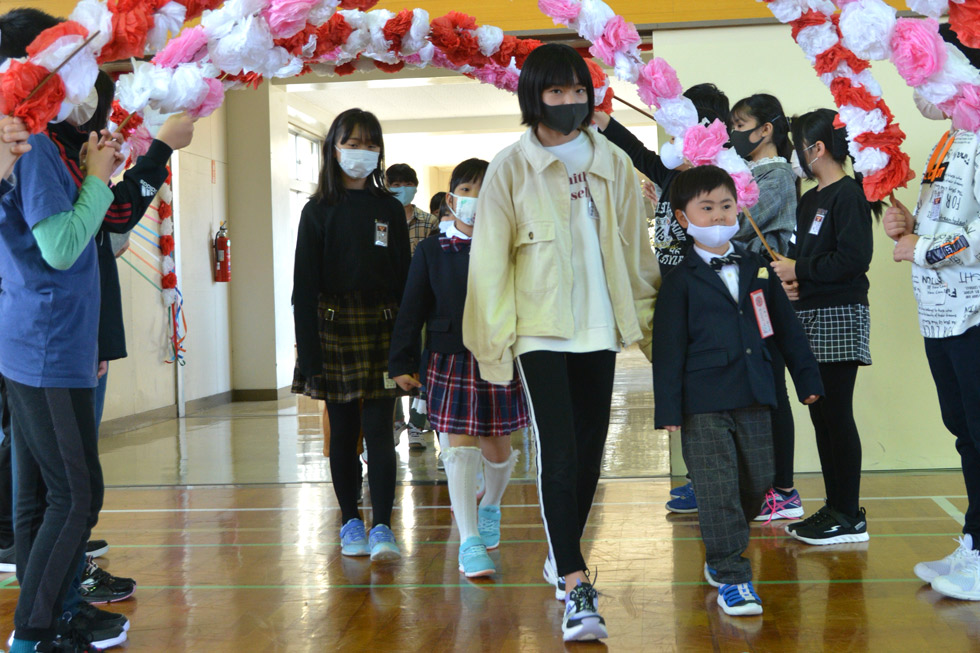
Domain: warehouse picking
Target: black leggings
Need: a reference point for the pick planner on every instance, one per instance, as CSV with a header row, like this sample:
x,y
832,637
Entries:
x,y
838,442
346,422
783,428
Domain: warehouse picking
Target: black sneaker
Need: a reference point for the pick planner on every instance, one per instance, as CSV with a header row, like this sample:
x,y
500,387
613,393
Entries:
x,y
96,548
99,586
104,618
828,526
71,641
8,560
101,631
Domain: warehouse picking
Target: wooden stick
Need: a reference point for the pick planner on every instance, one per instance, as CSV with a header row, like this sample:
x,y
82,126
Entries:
x,y
758,233
635,108
119,129
55,71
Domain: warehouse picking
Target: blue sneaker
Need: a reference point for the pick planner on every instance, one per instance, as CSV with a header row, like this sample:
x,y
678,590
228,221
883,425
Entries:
x,y
490,526
473,559
685,504
353,541
383,545
739,600
582,621
683,490
781,505
709,575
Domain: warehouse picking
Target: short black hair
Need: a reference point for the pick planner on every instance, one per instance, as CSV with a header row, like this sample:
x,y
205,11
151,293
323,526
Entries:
x,y
552,64
330,189
469,171
695,182
19,28
950,36
712,104
436,202
401,172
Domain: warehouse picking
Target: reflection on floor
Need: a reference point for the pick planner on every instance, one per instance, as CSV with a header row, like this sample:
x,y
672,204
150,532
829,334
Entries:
x,y
282,442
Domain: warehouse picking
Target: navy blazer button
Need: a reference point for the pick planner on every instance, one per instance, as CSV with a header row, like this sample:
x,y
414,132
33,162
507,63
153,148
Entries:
x,y
749,351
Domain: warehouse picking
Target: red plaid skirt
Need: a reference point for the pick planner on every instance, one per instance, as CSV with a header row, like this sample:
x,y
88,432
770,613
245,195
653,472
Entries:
x,y
461,402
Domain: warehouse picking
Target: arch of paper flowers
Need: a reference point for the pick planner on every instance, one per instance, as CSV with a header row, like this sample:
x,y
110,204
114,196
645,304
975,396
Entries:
x,y
239,42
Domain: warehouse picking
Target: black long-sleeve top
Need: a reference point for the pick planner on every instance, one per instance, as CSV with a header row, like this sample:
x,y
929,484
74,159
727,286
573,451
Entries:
x,y
649,163
434,296
336,254
132,196
832,264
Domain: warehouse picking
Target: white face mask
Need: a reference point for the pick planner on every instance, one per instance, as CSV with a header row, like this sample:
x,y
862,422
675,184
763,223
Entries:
x,y
671,156
927,108
465,209
797,168
358,163
82,113
713,236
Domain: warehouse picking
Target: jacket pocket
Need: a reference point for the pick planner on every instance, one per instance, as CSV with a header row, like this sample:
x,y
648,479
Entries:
x,y
536,259
702,360
439,324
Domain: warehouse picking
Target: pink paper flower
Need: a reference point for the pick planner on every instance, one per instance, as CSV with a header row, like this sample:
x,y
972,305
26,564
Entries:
x,y
658,81
190,46
702,144
213,100
561,12
964,108
139,142
618,36
746,188
287,17
918,51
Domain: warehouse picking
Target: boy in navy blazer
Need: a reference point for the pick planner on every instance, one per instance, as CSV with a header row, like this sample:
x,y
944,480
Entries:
x,y
718,313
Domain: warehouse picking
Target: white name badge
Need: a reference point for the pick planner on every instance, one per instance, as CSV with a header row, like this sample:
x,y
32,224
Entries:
x,y
389,383
761,314
380,233
818,222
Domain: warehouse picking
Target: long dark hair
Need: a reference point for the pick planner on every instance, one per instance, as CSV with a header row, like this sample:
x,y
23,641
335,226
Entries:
x,y
765,108
818,126
330,189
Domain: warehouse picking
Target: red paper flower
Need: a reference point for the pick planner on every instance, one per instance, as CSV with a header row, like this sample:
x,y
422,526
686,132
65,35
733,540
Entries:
x,y
166,245
131,20
828,61
18,83
389,67
882,183
294,44
52,34
332,34
811,18
396,29
892,136
506,52
363,5
606,105
348,68
169,281
524,48
846,93
451,34
119,116
197,7
165,210
965,20
248,79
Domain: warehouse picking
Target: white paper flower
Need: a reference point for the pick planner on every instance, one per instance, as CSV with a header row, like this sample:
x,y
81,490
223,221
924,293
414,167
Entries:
x,y
187,89
592,19
167,226
628,66
729,161
78,74
166,194
168,265
868,160
95,17
676,115
817,39
867,26
489,38
322,11
134,90
360,37
785,11
168,296
859,121
168,19
415,40
931,8
377,47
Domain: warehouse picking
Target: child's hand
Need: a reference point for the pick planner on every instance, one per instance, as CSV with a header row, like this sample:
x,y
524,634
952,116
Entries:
x,y
898,221
12,131
601,120
811,399
792,290
650,192
905,248
103,368
177,132
101,157
407,382
785,269
673,429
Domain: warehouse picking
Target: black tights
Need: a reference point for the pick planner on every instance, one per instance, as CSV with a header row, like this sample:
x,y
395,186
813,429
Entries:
x,y
783,428
346,422
838,442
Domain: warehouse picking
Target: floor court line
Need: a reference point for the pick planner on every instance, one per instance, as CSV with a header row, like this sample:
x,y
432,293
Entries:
x,y
950,509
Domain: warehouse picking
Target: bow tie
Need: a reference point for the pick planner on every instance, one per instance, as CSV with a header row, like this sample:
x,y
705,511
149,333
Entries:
x,y
721,261
454,244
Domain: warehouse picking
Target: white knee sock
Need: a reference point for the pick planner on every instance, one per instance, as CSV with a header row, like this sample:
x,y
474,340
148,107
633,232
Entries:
x,y
443,443
497,475
461,465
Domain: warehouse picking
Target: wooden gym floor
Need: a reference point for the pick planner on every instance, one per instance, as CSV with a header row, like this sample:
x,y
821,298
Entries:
x,y
229,526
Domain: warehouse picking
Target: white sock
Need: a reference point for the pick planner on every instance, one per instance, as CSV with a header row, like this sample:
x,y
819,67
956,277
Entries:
x,y
497,476
461,465
443,443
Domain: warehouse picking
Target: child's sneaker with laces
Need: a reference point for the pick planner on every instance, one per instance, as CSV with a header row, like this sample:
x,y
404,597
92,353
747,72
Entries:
x,y
582,621
686,490
739,600
99,586
781,505
683,505
829,526
551,577
473,559
384,548
489,526
929,571
964,581
353,539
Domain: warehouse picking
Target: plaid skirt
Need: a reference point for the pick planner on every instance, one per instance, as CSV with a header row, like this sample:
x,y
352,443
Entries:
x,y
461,402
839,334
355,336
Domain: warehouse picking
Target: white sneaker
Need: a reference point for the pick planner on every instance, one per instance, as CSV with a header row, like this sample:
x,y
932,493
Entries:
x,y
399,427
416,441
964,581
929,571
551,577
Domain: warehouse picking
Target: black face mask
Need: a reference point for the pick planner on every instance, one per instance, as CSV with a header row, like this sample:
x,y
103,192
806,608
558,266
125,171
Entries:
x,y
564,118
743,144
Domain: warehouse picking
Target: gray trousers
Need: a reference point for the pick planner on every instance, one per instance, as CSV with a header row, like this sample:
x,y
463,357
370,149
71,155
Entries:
x,y
729,457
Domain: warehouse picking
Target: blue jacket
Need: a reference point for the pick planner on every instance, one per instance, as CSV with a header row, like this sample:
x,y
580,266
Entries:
x,y
708,351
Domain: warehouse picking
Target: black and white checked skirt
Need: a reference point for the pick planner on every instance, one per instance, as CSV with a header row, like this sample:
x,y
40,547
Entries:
x,y
839,334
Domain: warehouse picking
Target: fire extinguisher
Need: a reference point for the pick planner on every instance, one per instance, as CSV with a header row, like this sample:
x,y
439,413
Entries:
x,y
222,255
